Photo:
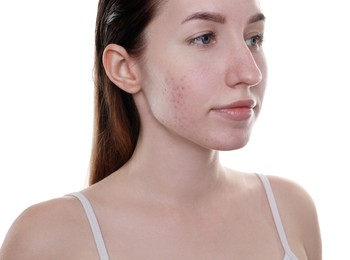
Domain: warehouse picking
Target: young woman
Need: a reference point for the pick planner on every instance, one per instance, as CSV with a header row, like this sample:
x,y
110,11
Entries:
x,y
176,81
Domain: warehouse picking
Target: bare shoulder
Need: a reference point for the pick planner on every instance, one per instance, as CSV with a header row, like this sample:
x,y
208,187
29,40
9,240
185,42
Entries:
x,y
47,230
299,213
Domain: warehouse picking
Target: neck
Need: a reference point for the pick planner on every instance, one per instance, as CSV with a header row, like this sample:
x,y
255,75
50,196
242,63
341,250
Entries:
x,y
174,169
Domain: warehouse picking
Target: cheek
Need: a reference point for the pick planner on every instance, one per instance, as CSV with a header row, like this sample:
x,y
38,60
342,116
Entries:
x,y
262,64
260,89
174,92
176,97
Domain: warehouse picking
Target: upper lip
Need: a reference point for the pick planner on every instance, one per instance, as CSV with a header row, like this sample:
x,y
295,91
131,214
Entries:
x,y
247,103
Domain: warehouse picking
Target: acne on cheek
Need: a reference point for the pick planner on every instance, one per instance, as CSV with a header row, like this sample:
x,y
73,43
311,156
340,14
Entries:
x,y
175,93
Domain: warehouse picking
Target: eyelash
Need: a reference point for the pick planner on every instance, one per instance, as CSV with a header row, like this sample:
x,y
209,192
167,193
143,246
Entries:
x,y
206,36
259,39
210,36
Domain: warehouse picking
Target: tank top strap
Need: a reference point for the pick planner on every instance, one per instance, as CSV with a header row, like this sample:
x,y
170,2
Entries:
x,y
96,231
277,218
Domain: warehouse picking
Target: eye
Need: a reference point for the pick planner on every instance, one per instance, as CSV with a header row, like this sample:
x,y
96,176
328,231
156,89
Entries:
x,y
204,39
255,41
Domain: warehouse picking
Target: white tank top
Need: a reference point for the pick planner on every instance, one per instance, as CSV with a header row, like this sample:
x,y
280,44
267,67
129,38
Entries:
x,y
102,250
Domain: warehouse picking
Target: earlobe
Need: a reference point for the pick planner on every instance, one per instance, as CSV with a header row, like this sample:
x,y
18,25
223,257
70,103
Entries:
x,y
120,69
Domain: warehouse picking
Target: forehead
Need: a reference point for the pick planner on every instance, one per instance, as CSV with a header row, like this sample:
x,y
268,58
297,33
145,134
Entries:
x,y
234,10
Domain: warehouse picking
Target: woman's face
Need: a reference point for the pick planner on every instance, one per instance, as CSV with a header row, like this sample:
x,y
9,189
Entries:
x,y
203,71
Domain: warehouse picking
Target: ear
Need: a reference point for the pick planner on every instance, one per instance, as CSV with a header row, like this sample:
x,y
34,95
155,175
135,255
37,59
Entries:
x,y
120,68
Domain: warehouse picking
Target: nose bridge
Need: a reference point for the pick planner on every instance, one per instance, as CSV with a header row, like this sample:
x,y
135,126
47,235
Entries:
x,y
243,68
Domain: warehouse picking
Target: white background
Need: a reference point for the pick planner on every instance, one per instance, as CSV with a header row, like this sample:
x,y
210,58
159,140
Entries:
x,y
46,97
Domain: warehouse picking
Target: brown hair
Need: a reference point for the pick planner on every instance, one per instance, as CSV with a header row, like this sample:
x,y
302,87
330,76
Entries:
x,y
116,122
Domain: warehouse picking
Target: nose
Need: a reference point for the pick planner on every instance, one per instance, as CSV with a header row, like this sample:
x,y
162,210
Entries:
x,y
242,69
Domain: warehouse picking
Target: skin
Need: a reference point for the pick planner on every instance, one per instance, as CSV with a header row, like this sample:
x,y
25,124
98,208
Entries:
x,y
185,82
173,199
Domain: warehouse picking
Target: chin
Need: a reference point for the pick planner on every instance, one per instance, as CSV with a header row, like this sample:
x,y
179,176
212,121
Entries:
x,y
229,144
231,147
234,140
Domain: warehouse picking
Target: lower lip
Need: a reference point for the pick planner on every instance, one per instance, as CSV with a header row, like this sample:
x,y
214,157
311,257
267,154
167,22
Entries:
x,y
237,113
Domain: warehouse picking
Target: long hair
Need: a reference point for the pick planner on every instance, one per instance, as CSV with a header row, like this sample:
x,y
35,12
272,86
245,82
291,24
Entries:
x,y
116,119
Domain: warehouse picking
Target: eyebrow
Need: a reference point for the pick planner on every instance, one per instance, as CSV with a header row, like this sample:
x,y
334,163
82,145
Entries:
x,y
213,17
218,18
260,17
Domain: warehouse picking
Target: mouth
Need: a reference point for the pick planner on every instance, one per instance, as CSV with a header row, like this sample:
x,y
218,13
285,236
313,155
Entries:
x,y
241,110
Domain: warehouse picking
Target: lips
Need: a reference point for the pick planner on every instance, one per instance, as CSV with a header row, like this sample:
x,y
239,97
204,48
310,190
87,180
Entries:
x,y
241,110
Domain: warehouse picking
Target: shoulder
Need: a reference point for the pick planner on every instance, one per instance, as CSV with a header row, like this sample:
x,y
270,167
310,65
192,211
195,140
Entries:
x,y
299,214
45,229
289,191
